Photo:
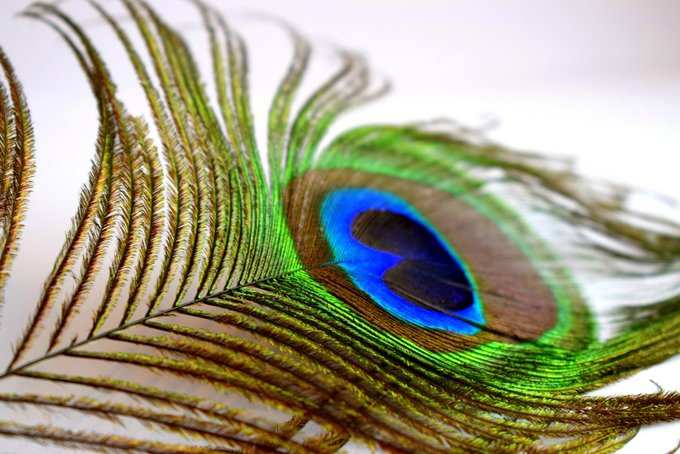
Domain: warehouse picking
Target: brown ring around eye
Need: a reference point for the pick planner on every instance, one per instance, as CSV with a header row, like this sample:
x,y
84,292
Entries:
x,y
518,304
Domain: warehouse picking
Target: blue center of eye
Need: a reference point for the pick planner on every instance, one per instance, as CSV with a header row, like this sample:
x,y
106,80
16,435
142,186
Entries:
x,y
426,273
391,253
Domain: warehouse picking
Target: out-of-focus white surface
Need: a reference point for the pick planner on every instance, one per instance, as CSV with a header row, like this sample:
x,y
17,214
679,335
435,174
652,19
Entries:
x,y
594,79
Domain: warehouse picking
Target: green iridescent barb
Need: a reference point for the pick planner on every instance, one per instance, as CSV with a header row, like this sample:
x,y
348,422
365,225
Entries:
x,y
405,288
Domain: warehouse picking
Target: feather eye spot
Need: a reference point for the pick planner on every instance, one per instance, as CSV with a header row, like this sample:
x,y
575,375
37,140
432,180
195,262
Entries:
x,y
425,265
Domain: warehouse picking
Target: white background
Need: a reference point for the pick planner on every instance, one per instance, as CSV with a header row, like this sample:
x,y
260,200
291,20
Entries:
x,y
595,79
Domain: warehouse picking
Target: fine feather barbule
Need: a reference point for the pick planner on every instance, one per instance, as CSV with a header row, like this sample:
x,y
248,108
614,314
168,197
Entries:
x,y
392,289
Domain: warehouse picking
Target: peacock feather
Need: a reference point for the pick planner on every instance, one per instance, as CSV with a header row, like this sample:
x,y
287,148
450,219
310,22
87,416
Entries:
x,y
405,288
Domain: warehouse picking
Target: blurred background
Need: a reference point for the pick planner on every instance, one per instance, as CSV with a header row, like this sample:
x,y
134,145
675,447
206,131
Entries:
x,y
597,80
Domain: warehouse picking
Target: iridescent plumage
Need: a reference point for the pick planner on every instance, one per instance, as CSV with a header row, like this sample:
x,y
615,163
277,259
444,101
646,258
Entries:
x,y
403,288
